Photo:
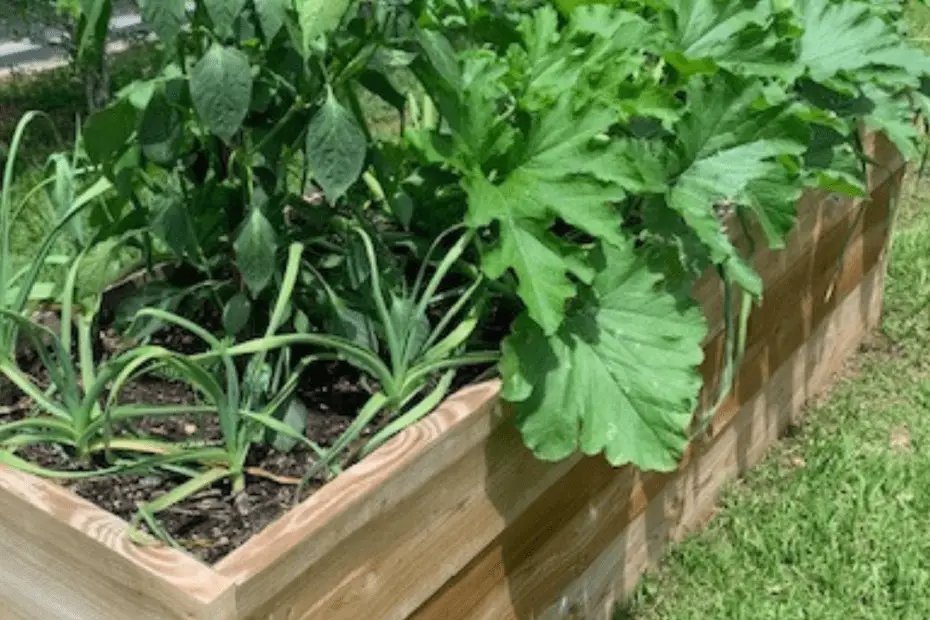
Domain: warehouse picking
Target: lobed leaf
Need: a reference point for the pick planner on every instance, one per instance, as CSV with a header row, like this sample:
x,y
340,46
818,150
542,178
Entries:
x,y
619,376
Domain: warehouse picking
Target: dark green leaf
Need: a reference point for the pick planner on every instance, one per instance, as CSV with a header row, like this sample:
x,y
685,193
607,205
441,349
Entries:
x,y
255,248
93,26
403,207
728,144
894,117
336,148
412,328
558,179
441,56
223,13
165,17
380,85
172,224
160,131
294,415
154,294
107,131
620,376
221,89
319,17
236,314
271,16
352,325
773,200
139,93
847,37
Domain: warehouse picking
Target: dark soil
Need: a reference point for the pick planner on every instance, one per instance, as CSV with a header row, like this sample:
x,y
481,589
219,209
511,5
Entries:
x,y
214,522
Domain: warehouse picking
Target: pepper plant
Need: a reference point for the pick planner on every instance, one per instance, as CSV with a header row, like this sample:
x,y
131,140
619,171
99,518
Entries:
x,y
202,154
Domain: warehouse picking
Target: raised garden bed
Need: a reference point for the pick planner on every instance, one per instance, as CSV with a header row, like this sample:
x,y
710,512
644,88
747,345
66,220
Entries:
x,y
454,518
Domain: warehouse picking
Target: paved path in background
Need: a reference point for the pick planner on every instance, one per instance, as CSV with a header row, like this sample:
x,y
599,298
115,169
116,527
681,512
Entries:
x,y
25,43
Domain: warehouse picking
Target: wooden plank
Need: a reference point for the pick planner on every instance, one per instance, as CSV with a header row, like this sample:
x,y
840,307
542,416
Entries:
x,y
632,491
448,518
63,558
686,504
818,212
864,253
887,161
318,555
821,269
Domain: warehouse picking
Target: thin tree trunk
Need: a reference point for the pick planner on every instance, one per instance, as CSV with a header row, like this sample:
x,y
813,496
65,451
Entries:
x,y
96,77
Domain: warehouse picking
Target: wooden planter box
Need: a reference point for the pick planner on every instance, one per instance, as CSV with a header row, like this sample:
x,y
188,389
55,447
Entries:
x,y
454,519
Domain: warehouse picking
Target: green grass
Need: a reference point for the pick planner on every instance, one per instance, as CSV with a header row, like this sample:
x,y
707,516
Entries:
x,y
835,523
60,95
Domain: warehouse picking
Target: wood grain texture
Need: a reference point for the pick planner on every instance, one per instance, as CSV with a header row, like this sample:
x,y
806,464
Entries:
x,y
818,212
62,558
832,266
351,546
686,502
447,516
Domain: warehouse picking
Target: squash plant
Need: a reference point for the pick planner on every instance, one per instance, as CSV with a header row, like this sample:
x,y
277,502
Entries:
x,y
594,149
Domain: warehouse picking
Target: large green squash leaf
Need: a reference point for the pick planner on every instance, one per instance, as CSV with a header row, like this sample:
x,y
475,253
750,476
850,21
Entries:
x,y
772,199
600,45
221,89
619,376
731,34
710,28
847,36
894,117
561,170
730,146
554,182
